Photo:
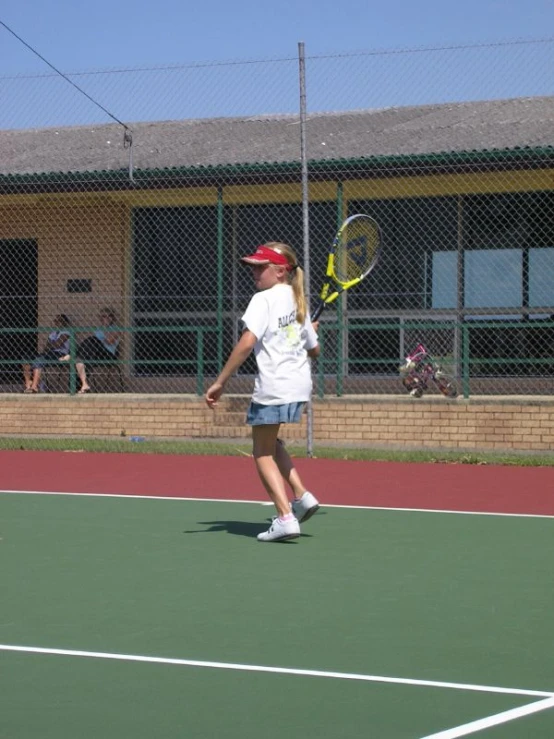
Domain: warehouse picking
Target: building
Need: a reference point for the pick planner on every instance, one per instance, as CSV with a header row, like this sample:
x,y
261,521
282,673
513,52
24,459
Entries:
x,y
463,193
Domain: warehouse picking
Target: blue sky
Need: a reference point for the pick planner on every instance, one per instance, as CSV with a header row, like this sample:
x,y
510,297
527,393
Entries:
x,y
106,33
119,34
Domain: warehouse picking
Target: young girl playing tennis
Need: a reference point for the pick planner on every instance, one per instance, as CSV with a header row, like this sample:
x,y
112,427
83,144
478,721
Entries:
x,y
279,331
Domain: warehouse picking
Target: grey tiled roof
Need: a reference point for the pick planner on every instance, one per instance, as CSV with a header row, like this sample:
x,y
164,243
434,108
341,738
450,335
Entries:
x,y
417,130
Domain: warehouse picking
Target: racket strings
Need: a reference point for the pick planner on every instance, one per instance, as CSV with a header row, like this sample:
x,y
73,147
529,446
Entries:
x,y
355,251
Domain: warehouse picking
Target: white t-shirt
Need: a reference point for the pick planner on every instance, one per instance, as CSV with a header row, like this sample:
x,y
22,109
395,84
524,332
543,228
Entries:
x,y
284,371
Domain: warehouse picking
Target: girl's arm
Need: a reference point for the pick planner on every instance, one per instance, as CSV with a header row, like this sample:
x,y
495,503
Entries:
x,y
314,352
238,356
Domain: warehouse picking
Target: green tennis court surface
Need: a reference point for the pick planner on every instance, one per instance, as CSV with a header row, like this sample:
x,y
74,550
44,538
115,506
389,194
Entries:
x,y
398,624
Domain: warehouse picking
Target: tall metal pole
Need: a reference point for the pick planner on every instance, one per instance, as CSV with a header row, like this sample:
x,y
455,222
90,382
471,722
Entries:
x,y
305,215
219,278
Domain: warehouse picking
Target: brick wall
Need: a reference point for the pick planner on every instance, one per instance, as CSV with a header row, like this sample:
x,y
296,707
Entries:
x,y
507,423
481,423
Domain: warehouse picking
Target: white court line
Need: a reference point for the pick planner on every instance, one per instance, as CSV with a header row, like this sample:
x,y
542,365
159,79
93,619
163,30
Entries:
x,y
135,497
499,718
266,503
437,510
453,733
275,670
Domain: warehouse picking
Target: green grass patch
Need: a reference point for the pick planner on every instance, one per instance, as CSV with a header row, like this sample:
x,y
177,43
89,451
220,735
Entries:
x,y
242,448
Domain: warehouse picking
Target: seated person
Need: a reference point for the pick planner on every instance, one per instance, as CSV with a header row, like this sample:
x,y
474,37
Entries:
x,y
101,347
56,346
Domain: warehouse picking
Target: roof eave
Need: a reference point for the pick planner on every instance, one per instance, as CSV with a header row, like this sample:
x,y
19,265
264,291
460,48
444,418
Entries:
x,y
323,169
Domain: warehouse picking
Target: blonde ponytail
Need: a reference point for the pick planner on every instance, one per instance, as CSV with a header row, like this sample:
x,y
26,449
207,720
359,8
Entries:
x,y
297,283
296,278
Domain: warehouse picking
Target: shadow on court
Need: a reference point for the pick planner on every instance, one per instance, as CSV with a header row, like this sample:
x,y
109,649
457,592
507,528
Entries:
x,y
238,528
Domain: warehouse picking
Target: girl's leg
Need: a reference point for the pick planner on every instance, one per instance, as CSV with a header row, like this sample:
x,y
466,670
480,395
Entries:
x,y
32,380
264,450
37,372
27,376
288,470
304,504
80,367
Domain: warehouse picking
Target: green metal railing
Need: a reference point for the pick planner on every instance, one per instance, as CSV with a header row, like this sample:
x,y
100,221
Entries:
x,y
458,360
199,362
512,361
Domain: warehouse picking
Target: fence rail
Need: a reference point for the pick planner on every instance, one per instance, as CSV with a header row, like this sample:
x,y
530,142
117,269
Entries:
x,y
479,366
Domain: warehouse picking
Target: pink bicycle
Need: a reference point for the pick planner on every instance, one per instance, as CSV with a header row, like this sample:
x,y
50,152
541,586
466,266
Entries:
x,y
420,369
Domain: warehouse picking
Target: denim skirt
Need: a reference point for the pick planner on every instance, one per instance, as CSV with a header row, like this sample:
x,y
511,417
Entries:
x,y
264,415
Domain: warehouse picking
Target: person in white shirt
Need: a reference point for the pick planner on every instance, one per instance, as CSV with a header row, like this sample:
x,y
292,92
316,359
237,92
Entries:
x,y
279,332
56,346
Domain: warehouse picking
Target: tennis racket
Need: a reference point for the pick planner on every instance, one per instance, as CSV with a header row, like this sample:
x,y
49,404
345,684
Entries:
x,y
354,253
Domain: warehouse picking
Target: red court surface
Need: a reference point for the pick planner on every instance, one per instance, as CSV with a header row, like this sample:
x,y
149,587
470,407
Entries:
x,y
456,487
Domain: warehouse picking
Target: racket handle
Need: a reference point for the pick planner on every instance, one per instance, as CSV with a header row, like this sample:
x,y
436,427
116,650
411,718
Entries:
x,y
318,311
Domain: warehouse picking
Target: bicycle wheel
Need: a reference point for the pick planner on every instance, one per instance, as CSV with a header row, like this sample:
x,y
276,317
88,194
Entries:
x,y
446,385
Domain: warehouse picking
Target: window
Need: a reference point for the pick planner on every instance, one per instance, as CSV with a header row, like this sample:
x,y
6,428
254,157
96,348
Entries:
x,y
444,279
175,249
413,228
541,277
493,278
179,282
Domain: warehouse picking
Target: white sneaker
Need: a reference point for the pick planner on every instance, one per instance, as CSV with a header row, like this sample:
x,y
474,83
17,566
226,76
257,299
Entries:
x,y
281,530
305,507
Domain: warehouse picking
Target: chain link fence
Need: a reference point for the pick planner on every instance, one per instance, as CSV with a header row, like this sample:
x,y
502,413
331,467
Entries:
x,y
128,196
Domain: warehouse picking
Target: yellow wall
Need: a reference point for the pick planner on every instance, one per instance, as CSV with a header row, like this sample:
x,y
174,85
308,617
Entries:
x,y
76,238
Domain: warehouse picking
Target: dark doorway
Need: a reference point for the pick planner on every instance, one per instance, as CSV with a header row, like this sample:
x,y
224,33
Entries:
x,y
18,305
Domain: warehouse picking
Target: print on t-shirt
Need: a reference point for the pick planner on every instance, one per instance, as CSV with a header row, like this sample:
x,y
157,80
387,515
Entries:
x,y
288,334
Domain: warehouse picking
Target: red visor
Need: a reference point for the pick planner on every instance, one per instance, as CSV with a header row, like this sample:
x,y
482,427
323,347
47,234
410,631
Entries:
x,y
267,255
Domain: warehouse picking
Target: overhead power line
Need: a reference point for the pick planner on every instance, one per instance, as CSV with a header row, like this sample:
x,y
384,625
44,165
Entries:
x,y
128,134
